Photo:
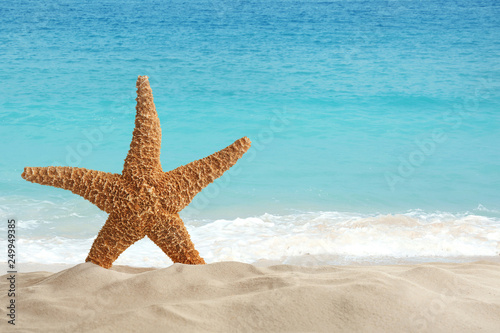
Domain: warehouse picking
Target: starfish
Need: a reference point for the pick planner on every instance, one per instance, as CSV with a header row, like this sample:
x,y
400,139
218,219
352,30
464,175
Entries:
x,y
142,200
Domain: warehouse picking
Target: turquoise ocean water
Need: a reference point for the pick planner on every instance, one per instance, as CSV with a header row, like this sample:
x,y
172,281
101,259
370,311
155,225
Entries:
x,y
375,124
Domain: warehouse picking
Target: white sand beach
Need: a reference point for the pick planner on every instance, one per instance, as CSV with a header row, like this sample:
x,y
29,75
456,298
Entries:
x,y
238,297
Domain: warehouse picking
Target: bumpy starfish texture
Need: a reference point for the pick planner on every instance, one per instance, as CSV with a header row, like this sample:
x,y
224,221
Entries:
x,y
142,200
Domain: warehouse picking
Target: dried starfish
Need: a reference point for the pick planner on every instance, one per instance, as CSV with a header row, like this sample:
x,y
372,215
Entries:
x,y
142,200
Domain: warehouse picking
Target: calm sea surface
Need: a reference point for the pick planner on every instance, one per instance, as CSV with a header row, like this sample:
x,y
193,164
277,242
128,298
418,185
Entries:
x,y
375,124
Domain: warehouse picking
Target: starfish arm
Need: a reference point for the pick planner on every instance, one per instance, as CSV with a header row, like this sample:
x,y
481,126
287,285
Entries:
x,y
170,234
100,188
144,154
118,233
195,176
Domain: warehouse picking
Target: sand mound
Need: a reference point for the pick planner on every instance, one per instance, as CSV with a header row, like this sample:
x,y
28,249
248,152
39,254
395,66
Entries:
x,y
232,296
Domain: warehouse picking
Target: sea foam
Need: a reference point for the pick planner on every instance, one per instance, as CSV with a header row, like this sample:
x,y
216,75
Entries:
x,y
317,237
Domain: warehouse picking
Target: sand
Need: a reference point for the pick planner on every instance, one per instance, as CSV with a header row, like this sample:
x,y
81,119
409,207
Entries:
x,y
237,297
